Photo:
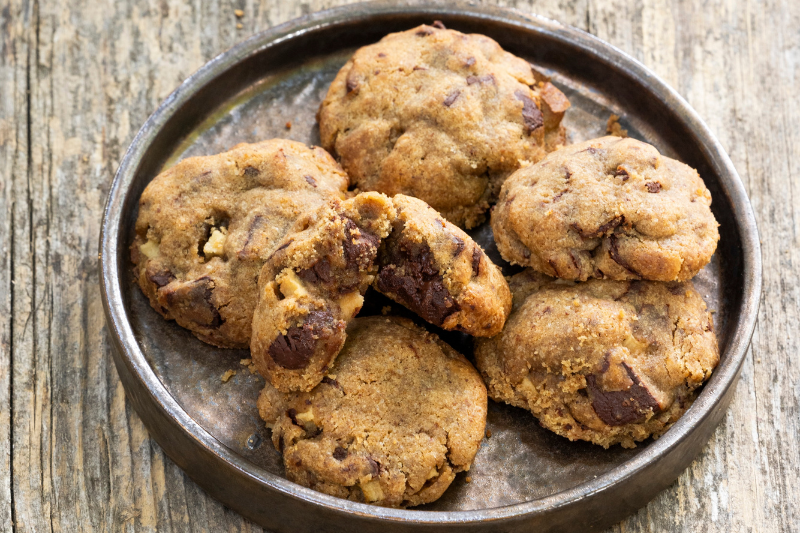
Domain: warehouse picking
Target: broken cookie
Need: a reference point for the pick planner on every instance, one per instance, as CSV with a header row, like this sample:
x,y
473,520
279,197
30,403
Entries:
x,y
436,270
312,285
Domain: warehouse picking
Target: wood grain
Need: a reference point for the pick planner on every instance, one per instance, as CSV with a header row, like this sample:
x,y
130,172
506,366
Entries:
x,y
77,79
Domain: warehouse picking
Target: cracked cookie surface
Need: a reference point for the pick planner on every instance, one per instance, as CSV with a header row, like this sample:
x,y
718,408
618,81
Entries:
x,y
439,115
607,208
206,225
396,417
436,270
313,285
603,361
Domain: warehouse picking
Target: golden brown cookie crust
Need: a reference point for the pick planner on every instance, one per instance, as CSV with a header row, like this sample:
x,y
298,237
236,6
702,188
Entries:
x,y
604,361
607,208
397,416
312,285
438,271
207,224
441,116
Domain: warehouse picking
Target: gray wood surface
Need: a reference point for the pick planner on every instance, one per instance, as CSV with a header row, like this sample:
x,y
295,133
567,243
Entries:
x,y
78,78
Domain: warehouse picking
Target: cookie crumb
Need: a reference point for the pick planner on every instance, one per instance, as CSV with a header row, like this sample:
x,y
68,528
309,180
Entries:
x,y
288,125
386,309
488,433
238,12
245,362
239,26
613,127
228,375
468,479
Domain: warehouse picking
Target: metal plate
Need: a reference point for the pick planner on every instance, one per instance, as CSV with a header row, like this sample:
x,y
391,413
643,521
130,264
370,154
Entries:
x,y
523,476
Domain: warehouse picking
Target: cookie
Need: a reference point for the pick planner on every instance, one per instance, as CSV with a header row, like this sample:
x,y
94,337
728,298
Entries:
x,y
607,208
207,224
436,270
441,116
602,361
398,415
312,285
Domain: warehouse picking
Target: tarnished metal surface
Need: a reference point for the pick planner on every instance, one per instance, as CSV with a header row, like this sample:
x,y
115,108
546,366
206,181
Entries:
x,y
523,475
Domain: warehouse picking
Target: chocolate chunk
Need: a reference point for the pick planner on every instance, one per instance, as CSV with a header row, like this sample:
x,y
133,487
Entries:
x,y
251,172
476,261
653,186
471,80
311,181
332,382
438,24
601,230
575,262
360,247
255,227
320,271
621,172
339,453
417,67
351,82
424,32
613,251
192,300
451,98
294,350
375,466
408,274
292,414
553,266
531,115
617,408
559,195
460,244
283,246
470,61
381,54
161,277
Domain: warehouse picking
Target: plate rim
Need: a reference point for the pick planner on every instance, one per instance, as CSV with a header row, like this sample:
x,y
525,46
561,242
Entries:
x,y
129,358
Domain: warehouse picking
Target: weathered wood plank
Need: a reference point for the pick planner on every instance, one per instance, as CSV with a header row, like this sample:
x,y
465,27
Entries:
x,y
75,457
13,163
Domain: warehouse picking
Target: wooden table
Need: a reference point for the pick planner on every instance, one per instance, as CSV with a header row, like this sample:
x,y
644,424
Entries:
x,y
77,80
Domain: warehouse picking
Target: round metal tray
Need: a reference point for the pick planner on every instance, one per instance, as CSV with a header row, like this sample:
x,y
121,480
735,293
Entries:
x,y
523,477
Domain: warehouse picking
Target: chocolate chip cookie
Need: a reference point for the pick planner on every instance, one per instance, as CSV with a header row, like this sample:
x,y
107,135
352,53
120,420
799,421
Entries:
x,y
436,270
441,116
312,285
603,361
207,224
607,208
396,417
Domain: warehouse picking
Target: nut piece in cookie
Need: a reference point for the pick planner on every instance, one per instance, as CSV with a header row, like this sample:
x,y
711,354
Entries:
x,y
603,361
207,224
608,208
397,416
436,270
312,285
441,116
